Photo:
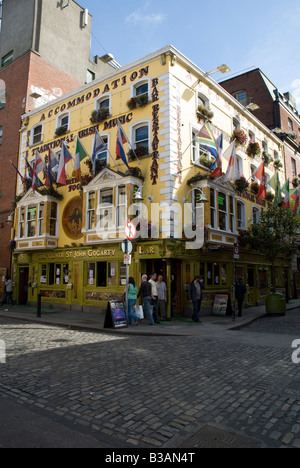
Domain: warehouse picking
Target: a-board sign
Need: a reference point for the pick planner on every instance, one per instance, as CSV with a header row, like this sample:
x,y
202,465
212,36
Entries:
x,y
220,304
115,315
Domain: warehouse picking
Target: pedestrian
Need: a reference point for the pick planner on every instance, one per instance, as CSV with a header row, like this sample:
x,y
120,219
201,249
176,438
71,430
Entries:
x,y
8,291
195,297
145,292
132,290
162,298
153,283
240,290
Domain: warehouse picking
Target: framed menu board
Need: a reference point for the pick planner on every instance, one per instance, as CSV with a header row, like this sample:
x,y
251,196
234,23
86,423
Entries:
x,y
115,315
220,304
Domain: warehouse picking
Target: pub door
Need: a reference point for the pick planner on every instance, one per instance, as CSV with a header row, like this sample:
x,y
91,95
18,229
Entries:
x,y
23,285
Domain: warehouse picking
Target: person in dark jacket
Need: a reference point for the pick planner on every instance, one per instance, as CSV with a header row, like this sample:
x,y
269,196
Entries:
x,y
195,296
146,293
240,290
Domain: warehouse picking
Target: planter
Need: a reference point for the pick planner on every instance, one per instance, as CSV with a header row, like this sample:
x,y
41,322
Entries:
x,y
138,101
239,136
275,304
205,112
99,115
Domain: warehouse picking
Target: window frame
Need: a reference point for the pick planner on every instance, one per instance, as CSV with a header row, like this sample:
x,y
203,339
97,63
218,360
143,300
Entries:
x,y
136,126
33,135
137,84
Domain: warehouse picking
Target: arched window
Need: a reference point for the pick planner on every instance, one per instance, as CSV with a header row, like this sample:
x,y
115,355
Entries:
x,y
236,125
140,138
37,134
255,215
241,215
252,136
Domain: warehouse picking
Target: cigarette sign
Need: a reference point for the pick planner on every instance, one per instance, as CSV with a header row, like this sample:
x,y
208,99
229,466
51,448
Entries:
x,y
130,231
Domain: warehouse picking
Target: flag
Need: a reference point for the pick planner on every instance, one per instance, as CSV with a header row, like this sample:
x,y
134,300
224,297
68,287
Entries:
x,y
217,166
207,141
295,196
260,175
39,166
232,172
80,155
121,139
275,184
99,146
286,201
65,157
29,168
22,178
52,163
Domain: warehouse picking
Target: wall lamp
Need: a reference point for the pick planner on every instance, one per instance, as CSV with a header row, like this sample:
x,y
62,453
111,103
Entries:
x,y
199,198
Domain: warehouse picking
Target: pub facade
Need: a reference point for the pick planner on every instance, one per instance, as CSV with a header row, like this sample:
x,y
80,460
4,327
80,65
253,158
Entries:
x,y
67,238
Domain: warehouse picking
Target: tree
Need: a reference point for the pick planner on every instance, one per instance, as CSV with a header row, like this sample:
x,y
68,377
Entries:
x,y
275,234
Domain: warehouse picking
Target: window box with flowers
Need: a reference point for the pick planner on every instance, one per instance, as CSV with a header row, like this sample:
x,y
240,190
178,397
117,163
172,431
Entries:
x,y
239,136
61,131
205,161
254,187
253,149
135,172
138,101
241,184
270,197
197,178
205,112
137,153
99,115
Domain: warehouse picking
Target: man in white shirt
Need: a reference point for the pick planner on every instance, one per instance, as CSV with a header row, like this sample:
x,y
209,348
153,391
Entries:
x,y
162,298
153,283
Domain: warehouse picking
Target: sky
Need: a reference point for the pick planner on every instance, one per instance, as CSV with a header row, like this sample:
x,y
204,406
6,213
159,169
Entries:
x,y
242,35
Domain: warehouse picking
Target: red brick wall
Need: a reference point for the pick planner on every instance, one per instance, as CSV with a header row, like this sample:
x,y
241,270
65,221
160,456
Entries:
x,y
255,87
19,76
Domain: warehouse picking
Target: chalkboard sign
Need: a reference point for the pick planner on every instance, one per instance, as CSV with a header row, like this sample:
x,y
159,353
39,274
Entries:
x,y
115,315
220,304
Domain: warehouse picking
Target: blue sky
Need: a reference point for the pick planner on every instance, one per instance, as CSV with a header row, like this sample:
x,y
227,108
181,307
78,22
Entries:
x,y
260,33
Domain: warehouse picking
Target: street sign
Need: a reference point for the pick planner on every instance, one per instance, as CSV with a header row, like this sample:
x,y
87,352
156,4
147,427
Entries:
x,y
127,259
127,246
130,231
236,252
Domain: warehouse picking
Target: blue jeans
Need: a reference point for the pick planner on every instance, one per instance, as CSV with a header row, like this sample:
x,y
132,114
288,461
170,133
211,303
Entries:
x,y
7,295
147,309
131,315
196,310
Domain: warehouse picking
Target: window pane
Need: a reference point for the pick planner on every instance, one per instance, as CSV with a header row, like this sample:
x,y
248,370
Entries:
x,y
141,137
143,89
91,274
113,274
37,134
122,274
101,274
104,104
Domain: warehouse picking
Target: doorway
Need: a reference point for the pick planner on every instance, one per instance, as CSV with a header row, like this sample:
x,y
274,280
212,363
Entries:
x,y
23,285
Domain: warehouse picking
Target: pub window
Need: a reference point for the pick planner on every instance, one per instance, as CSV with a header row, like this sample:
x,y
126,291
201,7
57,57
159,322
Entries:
x,y
40,218
31,221
222,204
37,134
113,274
216,274
106,208
91,280
209,274
241,217
91,210
121,207
58,274
223,274
22,223
122,274
213,213
43,278
53,219
232,218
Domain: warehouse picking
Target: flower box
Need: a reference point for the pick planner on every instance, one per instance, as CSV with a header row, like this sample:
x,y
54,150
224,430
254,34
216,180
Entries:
x,y
277,164
99,115
138,101
137,153
206,112
254,187
61,131
241,184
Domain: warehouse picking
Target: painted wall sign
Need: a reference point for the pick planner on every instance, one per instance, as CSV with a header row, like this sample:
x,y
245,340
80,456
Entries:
x,y
155,133
72,218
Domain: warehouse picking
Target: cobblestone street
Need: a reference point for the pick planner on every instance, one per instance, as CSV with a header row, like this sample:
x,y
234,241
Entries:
x,y
146,391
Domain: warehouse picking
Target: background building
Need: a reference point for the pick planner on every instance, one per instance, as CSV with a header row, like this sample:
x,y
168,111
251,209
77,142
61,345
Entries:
x,y
44,53
68,240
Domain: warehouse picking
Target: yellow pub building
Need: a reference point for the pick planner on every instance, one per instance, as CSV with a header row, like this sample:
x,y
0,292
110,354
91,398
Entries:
x,y
68,238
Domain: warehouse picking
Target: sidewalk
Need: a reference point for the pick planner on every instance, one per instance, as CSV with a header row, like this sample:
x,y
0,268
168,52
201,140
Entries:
x,y
180,326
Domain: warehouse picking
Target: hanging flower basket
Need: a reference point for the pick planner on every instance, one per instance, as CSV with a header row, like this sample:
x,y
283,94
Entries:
x,y
138,101
206,112
277,164
253,149
241,184
270,197
266,157
99,115
239,136
254,187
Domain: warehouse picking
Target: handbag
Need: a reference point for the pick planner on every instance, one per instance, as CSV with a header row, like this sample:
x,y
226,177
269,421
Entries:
x,y
139,311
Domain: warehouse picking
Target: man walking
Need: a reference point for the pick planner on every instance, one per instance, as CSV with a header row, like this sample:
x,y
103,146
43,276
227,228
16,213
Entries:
x,y
146,293
195,296
8,291
153,283
240,290
161,298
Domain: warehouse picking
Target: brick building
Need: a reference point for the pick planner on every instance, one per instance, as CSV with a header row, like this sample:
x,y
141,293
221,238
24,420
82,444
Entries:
x,y
36,68
275,109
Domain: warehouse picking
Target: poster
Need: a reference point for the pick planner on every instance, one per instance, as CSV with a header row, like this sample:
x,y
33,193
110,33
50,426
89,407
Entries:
x,y
115,315
220,304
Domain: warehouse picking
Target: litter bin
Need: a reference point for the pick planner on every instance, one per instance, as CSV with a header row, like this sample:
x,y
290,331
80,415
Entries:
x,y
275,304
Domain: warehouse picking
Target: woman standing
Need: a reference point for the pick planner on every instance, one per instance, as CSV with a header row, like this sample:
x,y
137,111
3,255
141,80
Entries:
x,y
132,290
